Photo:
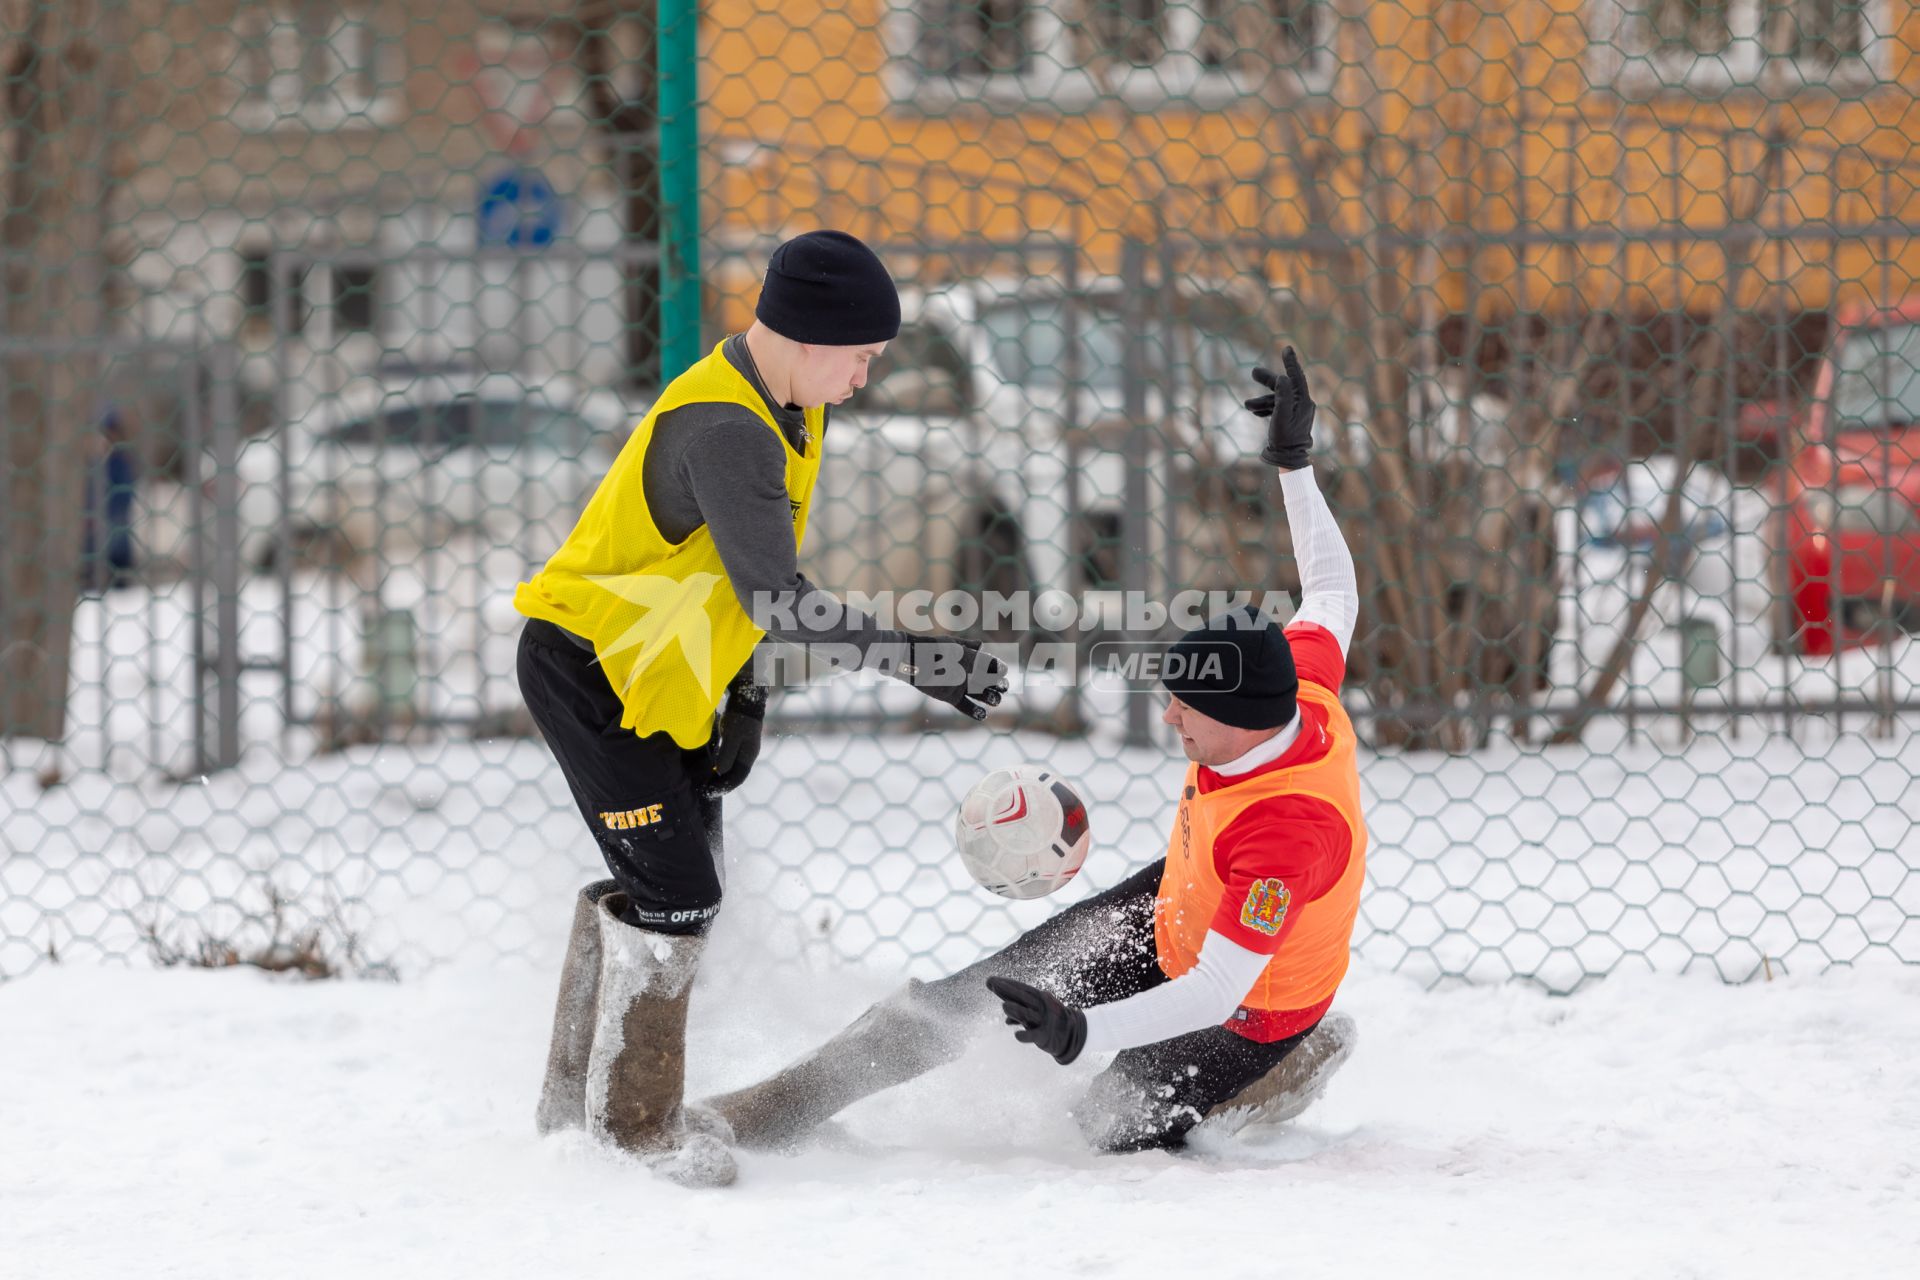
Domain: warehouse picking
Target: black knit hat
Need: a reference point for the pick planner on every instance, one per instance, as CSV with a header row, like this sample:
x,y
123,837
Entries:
x,y
828,289
1238,669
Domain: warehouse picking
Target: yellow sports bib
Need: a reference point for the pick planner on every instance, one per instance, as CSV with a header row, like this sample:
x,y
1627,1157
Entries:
x,y
666,627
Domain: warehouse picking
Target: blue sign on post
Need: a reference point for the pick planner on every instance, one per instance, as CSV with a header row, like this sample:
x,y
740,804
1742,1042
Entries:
x,y
518,209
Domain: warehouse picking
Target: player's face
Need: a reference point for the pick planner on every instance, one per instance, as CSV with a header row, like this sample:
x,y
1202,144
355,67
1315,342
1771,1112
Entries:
x,y
1204,739
1197,738
829,375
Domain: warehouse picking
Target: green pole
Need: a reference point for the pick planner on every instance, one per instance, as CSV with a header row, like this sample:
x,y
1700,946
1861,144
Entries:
x,y
679,187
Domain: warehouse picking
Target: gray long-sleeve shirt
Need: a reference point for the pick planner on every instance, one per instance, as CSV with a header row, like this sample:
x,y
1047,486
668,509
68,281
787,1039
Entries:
x,y
716,464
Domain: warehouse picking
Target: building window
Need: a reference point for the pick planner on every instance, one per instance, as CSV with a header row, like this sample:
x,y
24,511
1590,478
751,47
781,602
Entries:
x,y
1825,33
258,293
1707,45
312,61
1145,52
1130,32
1691,28
1242,37
356,299
973,39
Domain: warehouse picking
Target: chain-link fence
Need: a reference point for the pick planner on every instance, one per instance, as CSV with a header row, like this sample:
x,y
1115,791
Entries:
x,y
322,319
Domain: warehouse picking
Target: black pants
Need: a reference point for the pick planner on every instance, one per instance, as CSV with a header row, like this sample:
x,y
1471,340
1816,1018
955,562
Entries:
x,y
659,834
1099,951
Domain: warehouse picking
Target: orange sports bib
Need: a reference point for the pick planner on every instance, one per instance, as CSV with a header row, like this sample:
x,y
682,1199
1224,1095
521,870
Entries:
x,y
1310,965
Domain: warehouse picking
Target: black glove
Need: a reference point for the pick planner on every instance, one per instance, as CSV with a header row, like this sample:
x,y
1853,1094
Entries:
x,y
1052,1027
1288,409
736,740
953,671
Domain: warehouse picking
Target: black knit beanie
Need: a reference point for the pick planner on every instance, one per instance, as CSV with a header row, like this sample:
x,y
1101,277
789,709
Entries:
x,y
828,289
1238,669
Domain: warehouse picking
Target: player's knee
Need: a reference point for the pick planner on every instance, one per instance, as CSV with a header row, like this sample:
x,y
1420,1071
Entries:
x,y
923,1022
677,907
942,995
670,887
675,917
960,1000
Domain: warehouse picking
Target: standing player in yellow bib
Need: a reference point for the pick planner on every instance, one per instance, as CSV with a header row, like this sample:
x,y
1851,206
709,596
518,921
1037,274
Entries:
x,y
1209,973
635,664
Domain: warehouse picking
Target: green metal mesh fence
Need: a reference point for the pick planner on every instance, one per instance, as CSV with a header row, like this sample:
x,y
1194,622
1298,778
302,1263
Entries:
x,y
321,320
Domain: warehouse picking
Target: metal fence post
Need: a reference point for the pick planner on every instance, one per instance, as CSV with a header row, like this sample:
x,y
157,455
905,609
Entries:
x,y
1073,428
226,555
1135,533
679,73
194,474
282,319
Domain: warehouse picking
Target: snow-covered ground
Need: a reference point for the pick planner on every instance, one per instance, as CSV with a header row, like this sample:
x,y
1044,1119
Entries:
x,y
1738,1098
185,1123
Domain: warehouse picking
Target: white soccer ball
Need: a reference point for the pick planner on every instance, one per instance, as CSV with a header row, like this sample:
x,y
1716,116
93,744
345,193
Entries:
x,y
1022,831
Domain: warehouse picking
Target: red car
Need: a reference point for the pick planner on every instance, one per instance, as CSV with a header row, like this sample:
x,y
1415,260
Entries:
x,y
1850,492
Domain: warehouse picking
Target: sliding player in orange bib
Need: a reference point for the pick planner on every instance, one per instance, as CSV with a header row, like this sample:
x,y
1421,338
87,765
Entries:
x,y
1209,973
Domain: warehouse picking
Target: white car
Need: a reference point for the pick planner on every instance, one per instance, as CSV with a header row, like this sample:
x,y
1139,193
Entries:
x,y
991,453
387,469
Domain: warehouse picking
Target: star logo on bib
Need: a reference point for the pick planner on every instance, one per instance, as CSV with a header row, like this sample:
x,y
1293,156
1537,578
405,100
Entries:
x,y
676,612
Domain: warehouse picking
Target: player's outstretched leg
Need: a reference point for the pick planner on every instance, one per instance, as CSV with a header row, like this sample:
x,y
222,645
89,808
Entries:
x,y
1094,951
636,1069
1296,1083
917,1028
563,1095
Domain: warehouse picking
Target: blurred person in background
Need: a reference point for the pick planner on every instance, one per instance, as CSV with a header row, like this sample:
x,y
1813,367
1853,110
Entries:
x,y
636,664
113,474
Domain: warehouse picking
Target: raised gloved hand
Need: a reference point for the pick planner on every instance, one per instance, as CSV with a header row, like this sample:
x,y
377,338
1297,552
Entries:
x,y
1288,409
736,740
1044,1022
956,672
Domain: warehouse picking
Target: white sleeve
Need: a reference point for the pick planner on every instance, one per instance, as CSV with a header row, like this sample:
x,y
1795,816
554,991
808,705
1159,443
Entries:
x,y
1329,594
1204,996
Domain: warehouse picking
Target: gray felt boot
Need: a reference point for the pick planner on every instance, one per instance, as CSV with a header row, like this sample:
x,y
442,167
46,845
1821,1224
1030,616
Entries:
x,y
563,1095
636,1069
901,1037
1295,1084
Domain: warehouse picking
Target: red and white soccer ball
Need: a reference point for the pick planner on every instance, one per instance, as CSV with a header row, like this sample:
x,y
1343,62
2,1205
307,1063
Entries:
x,y
1022,831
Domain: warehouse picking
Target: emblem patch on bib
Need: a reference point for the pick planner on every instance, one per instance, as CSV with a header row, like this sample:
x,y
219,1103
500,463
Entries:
x,y
1266,906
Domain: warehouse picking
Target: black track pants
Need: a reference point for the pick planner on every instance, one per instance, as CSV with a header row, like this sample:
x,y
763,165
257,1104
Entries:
x,y
659,834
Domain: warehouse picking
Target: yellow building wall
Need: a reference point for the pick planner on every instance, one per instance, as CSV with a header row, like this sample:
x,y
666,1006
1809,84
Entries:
x,y
1465,123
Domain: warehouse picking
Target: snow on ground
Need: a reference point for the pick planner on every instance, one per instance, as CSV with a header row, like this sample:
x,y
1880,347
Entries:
x,y
188,1123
